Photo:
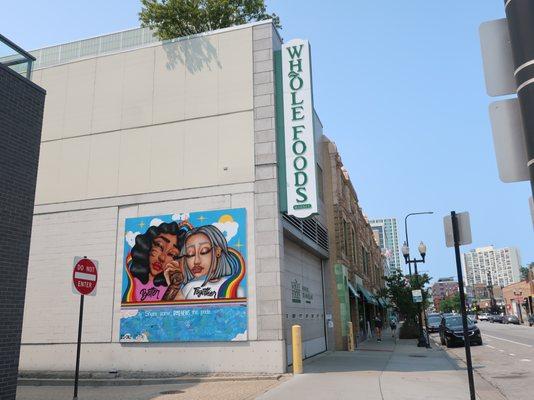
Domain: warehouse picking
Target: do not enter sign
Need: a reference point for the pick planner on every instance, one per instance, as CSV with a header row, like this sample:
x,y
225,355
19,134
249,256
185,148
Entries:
x,y
84,276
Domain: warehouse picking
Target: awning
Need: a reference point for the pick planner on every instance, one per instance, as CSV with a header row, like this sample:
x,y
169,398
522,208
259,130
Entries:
x,y
369,298
354,291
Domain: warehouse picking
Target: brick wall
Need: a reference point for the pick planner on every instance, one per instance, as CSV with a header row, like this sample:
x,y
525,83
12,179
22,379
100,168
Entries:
x,y
21,115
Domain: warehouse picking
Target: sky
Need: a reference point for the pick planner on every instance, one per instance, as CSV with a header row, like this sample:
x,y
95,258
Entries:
x,y
398,86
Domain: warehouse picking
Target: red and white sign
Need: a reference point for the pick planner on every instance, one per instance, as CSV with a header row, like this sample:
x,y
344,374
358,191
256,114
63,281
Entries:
x,y
84,276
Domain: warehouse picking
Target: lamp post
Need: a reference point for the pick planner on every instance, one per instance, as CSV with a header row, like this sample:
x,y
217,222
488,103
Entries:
x,y
406,253
406,230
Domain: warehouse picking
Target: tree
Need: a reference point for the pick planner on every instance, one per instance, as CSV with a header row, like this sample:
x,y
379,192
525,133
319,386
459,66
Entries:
x,y
170,19
399,290
450,304
524,271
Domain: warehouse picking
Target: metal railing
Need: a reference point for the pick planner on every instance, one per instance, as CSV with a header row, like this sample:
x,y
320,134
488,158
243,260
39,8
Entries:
x,y
15,57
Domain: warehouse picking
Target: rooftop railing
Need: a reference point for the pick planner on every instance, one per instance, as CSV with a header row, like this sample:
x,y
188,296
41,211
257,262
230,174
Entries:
x,y
16,58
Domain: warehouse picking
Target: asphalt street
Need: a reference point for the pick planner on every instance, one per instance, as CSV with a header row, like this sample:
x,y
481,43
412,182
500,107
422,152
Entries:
x,y
506,359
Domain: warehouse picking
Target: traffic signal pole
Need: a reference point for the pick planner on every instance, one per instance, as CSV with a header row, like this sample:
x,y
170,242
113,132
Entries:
x,y
520,16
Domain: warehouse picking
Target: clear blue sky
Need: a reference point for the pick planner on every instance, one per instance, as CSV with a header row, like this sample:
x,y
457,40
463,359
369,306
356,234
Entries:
x,y
398,86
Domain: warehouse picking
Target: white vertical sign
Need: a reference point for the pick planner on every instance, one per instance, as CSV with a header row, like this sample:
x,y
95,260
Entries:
x,y
298,126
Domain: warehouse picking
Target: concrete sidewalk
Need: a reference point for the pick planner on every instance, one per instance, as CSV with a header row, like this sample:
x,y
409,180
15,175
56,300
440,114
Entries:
x,y
381,371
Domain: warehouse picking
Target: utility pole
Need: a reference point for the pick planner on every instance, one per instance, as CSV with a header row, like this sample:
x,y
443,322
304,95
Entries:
x,y
520,16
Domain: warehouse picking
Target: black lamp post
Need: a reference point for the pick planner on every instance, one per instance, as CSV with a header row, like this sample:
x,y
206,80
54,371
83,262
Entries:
x,y
406,253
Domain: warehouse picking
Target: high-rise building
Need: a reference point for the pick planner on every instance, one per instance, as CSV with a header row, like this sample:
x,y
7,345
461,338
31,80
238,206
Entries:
x,y
387,237
501,266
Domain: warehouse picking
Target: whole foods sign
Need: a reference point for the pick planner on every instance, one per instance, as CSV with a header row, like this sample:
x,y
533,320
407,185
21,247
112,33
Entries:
x,y
298,131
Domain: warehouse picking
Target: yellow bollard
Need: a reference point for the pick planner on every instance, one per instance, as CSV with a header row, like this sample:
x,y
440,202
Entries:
x,y
296,339
350,337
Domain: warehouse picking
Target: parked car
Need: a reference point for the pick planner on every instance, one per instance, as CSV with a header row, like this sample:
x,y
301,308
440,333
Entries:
x,y
531,320
511,319
451,331
433,322
496,318
484,317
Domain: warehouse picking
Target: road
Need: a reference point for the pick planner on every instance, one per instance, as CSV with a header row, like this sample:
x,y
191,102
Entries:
x,y
506,359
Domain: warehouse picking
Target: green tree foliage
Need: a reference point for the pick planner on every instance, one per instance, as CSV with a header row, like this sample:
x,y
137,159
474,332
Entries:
x,y
450,304
175,18
524,272
399,290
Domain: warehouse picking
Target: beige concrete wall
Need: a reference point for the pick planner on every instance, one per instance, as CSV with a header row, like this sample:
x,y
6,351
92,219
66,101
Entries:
x,y
165,117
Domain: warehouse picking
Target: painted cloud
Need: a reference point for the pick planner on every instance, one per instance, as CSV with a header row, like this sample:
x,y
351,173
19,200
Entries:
x,y
130,237
229,229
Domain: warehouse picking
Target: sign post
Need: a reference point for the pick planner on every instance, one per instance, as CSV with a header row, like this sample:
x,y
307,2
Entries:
x,y
461,234
84,279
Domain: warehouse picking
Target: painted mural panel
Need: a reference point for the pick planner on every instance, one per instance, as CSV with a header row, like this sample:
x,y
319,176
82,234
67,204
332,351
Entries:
x,y
185,278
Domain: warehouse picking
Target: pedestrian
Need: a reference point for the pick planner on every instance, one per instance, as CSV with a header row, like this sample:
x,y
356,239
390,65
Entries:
x,y
393,326
378,328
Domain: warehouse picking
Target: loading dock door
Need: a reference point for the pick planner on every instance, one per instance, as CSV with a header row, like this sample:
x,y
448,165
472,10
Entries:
x,y
303,299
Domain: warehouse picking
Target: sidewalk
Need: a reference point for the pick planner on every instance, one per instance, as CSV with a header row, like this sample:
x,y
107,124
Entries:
x,y
381,371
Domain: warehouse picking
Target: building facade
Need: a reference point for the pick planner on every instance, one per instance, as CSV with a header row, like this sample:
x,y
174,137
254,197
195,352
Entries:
x,y
150,151
484,264
21,115
519,299
442,289
356,261
387,237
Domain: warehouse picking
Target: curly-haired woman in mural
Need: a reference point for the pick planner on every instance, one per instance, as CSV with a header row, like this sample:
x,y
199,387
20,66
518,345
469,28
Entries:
x,y
212,270
155,251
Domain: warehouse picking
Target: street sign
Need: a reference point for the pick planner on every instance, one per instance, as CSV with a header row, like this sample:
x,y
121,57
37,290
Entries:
x,y
417,296
84,276
509,140
497,58
464,229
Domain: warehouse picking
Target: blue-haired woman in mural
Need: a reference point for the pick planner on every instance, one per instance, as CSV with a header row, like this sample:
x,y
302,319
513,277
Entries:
x,y
155,251
211,269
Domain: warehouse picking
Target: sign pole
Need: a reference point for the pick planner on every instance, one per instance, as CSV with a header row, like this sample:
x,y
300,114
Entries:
x,y
76,373
456,235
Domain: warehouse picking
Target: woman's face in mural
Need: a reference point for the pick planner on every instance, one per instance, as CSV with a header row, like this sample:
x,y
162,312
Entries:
x,y
164,248
198,254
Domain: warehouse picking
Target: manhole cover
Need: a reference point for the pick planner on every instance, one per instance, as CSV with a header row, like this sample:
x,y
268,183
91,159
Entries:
x,y
417,355
172,392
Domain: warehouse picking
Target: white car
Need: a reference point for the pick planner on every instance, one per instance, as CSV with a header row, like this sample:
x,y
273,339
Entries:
x,y
483,317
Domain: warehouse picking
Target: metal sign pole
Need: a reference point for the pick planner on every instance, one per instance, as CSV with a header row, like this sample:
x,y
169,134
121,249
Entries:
x,y
76,373
456,235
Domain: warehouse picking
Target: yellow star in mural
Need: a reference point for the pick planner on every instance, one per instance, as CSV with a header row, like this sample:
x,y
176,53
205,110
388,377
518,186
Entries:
x,y
201,218
141,224
238,244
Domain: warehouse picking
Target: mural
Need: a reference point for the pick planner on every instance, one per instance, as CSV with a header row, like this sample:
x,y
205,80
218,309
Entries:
x,y
184,277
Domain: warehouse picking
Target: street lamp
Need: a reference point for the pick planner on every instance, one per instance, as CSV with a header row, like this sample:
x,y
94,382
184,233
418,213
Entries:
x,y
407,243
406,253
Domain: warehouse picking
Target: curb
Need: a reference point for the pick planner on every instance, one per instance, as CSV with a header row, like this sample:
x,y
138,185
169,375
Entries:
x,y
28,381
484,390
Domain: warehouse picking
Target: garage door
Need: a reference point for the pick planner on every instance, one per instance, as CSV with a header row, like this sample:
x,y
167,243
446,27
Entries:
x,y
303,299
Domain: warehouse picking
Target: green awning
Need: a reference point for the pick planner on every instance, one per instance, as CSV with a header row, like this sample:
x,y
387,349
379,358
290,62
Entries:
x,y
369,297
354,291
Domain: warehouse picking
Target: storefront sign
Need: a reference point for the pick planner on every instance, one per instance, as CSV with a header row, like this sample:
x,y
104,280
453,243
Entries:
x,y
295,291
298,131
184,277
